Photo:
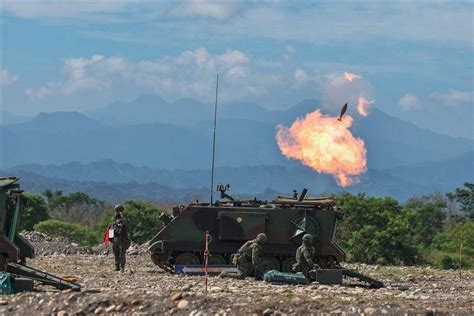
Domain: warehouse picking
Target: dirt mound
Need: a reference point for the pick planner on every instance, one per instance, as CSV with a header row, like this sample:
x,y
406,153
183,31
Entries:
x,y
50,246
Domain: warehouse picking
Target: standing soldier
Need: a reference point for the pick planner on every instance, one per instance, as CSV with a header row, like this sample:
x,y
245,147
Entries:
x,y
121,238
305,256
248,257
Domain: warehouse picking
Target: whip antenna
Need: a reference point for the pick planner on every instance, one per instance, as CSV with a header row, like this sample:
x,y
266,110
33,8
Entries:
x,y
214,142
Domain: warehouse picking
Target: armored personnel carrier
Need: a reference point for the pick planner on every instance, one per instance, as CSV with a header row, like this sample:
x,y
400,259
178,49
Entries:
x,y
231,222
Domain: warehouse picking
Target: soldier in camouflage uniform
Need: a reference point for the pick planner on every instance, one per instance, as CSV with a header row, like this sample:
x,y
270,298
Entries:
x,y
247,259
305,256
121,240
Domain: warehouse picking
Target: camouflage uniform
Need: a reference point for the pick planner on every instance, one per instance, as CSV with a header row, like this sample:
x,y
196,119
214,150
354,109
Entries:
x,y
248,258
121,241
305,256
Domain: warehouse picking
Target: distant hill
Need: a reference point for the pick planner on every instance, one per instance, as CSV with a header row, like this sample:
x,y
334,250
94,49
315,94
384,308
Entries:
x,y
112,193
170,154
443,175
401,183
7,118
153,109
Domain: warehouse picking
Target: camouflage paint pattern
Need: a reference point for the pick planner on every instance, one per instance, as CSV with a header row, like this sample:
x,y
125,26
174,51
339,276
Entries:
x,y
230,225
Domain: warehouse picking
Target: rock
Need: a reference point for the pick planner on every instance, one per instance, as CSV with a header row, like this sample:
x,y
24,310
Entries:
x,y
370,311
403,287
267,312
176,296
62,313
111,308
183,304
215,289
99,310
135,302
410,278
119,308
3,302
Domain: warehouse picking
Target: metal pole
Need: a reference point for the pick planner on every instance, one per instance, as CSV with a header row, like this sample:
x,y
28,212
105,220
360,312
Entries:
x,y
460,259
206,261
214,143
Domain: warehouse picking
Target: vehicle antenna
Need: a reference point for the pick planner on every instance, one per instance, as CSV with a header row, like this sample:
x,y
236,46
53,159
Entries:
x,y
214,142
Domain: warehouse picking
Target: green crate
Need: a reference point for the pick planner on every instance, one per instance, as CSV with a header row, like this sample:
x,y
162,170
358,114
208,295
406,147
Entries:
x,y
277,277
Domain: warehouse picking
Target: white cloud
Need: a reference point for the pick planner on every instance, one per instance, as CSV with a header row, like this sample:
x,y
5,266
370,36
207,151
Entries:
x,y
300,76
353,23
83,74
191,73
104,10
6,78
454,97
337,89
48,90
204,8
409,102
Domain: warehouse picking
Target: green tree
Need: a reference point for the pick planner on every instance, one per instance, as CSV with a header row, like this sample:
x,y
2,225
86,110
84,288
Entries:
x,y
375,230
465,197
426,215
77,207
35,211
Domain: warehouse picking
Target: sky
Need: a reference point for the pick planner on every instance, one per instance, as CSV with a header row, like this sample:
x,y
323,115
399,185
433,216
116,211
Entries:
x,y
415,59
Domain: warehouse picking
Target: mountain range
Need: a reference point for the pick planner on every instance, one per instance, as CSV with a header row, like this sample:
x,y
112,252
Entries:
x,y
149,140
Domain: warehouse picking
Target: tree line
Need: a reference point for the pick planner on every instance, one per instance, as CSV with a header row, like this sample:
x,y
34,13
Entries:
x,y
433,229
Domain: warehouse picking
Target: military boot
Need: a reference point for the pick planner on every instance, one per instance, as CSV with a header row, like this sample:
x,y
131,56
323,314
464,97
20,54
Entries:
x,y
117,267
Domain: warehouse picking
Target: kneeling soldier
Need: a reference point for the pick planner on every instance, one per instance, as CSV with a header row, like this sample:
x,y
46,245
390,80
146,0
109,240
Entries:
x,y
248,258
305,256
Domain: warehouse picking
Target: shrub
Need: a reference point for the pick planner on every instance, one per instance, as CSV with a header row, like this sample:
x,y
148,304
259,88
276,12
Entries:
x,y
447,262
74,232
448,243
35,211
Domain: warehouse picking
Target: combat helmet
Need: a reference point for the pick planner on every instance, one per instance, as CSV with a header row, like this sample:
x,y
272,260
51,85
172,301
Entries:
x,y
261,238
119,208
308,238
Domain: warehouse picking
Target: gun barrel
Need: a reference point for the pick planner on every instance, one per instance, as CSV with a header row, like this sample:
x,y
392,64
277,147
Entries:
x,y
303,195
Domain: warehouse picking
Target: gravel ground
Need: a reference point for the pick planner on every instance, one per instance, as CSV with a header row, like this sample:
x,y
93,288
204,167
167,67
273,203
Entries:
x,y
145,289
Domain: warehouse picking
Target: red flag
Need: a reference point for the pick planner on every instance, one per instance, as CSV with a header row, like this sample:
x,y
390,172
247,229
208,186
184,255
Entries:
x,y
106,240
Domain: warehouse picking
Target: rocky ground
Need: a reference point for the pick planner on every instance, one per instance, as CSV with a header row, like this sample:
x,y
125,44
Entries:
x,y
145,289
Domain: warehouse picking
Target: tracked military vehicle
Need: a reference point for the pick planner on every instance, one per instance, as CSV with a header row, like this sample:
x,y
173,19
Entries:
x,y
231,222
14,249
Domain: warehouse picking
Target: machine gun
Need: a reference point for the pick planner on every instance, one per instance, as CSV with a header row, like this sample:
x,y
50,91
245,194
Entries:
x,y
14,249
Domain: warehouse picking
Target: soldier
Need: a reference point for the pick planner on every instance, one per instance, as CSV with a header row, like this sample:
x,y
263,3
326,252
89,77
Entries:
x,y
121,240
248,257
305,256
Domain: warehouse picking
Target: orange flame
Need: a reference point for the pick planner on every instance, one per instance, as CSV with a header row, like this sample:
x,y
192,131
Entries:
x,y
326,145
362,106
350,76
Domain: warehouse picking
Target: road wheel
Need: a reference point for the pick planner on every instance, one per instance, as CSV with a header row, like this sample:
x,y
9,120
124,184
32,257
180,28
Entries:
x,y
186,259
288,264
216,259
270,263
